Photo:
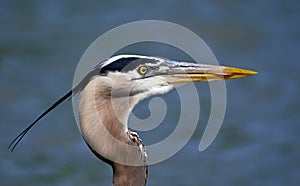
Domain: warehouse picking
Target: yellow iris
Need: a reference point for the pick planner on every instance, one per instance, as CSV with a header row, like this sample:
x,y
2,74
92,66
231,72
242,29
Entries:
x,y
143,70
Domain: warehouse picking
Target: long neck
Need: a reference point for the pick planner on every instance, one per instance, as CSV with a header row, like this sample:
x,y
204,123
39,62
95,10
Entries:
x,y
103,123
129,175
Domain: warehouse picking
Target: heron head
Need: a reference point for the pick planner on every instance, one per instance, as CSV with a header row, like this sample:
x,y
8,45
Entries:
x,y
139,77
144,76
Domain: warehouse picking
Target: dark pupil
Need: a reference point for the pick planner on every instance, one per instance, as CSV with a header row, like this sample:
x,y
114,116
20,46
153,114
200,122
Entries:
x,y
143,69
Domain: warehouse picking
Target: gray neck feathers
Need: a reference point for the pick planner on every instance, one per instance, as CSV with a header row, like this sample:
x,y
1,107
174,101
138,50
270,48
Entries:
x,y
103,122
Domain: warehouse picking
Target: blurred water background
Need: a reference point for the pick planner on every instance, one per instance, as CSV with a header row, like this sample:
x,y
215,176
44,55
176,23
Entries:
x,y
41,43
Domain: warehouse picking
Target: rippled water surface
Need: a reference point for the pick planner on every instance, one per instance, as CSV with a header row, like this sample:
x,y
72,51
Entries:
x,y
41,43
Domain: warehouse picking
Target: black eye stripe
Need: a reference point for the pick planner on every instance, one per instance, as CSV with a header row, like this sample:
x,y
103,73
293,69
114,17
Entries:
x,y
126,64
118,65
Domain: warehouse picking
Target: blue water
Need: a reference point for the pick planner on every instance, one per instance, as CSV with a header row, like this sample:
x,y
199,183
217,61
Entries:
x,y
41,43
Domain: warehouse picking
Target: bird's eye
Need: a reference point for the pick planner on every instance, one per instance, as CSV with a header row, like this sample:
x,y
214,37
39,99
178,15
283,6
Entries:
x,y
143,70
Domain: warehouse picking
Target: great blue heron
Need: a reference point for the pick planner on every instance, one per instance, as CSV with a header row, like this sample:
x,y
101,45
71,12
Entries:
x,y
111,90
